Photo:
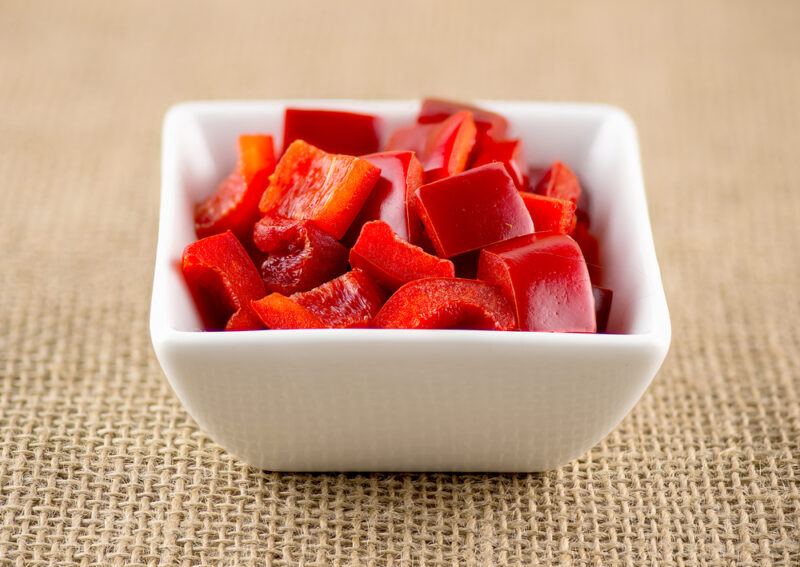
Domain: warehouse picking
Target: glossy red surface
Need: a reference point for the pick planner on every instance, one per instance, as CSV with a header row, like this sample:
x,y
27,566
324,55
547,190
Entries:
x,y
472,210
508,152
333,131
560,182
391,261
222,280
546,279
446,303
310,184
488,124
300,256
550,214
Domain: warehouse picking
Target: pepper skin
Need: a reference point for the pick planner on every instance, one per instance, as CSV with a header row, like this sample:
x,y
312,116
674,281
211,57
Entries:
x,y
560,182
602,306
310,184
546,279
391,198
234,206
222,280
510,154
590,247
446,303
550,214
300,256
332,131
472,210
391,261
351,300
488,124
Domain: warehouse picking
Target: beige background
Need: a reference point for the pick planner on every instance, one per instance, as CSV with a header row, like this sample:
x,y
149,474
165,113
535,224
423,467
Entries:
x,y
99,465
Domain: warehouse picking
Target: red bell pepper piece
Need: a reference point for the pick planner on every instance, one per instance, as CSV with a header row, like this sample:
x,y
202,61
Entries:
x,y
234,206
602,306
310,184
300,256
472,210
510,154
332,131
546,280
446,303
591,250
222,280
391,261
442,148
560,182
391,198
351,300
550,214
488,124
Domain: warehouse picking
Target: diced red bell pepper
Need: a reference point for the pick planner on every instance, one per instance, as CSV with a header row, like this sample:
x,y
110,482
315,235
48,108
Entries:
x,y
472,210
391,198
332,131
591,250
510,154
602,306
488,124
446,303
546,279
550,214
560,182
234,206
392,261
351,300
442,148
222,280
310,184
300,256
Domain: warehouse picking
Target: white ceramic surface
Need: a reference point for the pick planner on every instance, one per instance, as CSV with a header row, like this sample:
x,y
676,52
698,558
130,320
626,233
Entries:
x,y
364,399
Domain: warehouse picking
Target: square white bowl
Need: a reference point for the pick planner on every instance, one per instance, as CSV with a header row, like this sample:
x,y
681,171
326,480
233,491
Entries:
x,y
402,400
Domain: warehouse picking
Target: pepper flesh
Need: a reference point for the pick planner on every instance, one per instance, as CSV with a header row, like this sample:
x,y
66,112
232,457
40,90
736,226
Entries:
x,y
222,280
391,198
546,280
310,184
300,256
446,303
508,152
351,300
472,210
590,247
560,182
550,214
333,131
488,124
391,261
234,205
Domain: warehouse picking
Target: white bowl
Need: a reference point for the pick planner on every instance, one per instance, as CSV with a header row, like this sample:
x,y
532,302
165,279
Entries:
x,y
368,399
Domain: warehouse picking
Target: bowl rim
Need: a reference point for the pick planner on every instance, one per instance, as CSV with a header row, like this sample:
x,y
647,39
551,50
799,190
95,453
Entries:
x,y
659,334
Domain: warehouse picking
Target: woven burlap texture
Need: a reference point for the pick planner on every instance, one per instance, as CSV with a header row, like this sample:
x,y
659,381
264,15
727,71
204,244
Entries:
x,y
100,465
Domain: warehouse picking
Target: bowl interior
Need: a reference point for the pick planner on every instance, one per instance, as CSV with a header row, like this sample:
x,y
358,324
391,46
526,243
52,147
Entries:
x,y
598,142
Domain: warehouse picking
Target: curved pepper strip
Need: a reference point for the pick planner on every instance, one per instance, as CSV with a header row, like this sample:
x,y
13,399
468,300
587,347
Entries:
x,y
560,182
333,131
351,300
300,256
222,281
546,279
234,206
391,261
488,124
310,184
446,303
550,214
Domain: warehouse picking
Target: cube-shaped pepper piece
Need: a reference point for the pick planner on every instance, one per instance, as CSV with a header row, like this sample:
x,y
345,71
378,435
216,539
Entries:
x,y
472,210
546,279
508,152
332,131
550,214
446,303
559,181
602,306
300,256
351,300
391,261
222,280
310,184
488,124
391,198
234,206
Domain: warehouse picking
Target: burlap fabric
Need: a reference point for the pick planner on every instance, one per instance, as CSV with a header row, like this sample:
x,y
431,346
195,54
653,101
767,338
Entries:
x,y
100,465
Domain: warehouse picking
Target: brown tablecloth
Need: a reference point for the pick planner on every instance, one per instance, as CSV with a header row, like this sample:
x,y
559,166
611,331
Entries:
x,y
100,465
